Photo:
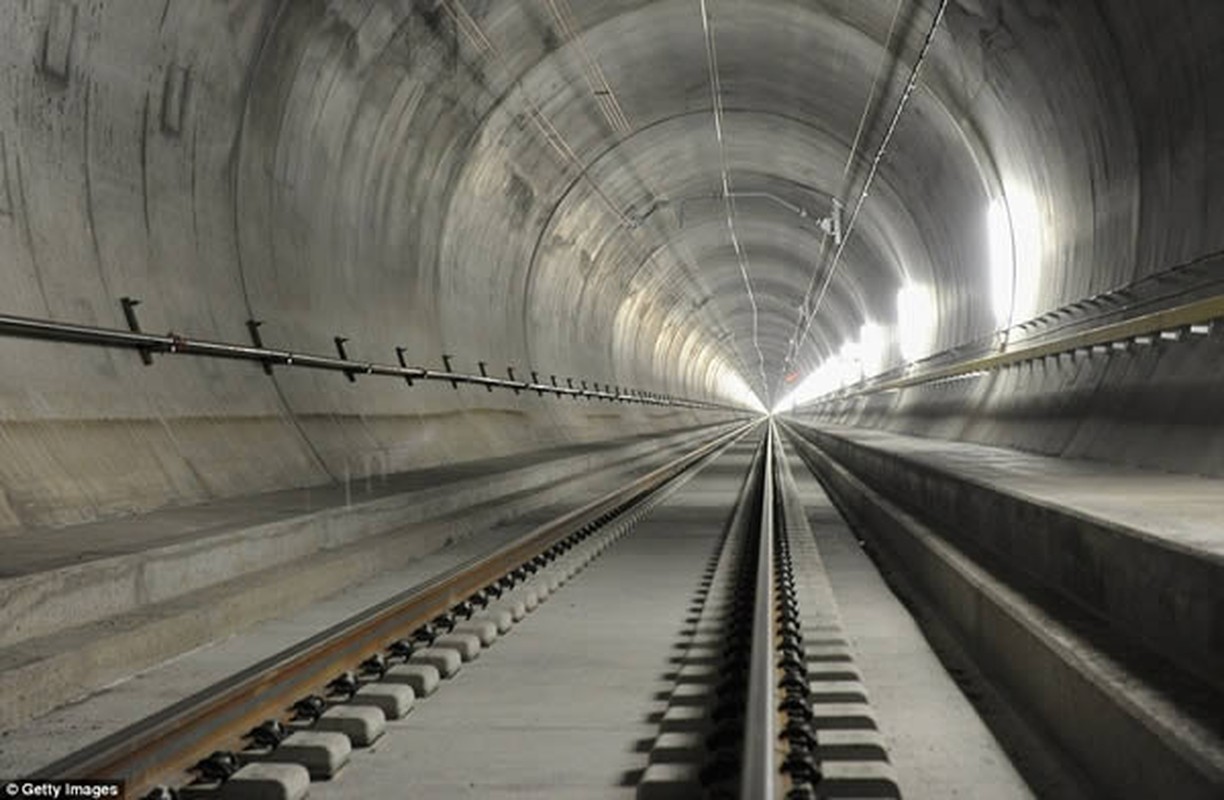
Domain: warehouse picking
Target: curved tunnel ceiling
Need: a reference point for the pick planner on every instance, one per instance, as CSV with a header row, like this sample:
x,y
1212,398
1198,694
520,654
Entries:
x,y
792,84
541,183
587,181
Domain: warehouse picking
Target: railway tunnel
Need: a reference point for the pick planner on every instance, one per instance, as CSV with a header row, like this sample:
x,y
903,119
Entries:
x,y
632,398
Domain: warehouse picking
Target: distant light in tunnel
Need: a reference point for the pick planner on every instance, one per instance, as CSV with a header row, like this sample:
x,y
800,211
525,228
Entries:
x,y
734,388
916,321
832,374
857,359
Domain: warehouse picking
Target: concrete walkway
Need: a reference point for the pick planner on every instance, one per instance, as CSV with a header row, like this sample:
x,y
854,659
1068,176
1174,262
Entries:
x,y
1179,509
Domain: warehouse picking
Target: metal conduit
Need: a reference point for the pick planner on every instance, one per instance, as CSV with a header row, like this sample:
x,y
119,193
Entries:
x,y
174,344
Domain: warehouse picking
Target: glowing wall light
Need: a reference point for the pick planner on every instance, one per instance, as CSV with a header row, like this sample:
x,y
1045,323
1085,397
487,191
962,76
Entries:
x,y
916,321
1014,226
1002,261
873,347
1029,249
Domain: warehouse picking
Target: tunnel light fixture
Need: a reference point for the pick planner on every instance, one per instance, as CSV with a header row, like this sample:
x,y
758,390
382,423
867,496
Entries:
x,y
1002,261
1013,224
916,321
873,348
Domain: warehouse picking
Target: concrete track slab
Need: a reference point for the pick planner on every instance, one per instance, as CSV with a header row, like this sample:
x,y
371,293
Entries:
x,y
563,708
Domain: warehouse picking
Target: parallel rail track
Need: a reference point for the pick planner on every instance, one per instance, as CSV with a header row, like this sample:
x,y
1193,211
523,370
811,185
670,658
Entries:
x,y
777,722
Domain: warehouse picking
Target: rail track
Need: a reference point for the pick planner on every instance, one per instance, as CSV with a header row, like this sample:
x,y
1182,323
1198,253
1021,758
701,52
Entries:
x,y
760,720
765,700
280,722
768,704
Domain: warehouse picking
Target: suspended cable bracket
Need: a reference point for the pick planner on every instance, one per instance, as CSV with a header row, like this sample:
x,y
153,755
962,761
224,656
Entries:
x,y
253,326
129,313
342,351
446,357
403,361
484,373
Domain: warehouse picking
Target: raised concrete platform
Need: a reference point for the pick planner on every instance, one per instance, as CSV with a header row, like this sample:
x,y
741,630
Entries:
x,y
56,578
563,707
1089,688
85,606
51,736
1142,550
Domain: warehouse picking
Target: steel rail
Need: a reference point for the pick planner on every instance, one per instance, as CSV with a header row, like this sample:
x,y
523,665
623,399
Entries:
x,y
760,775
161,749
174,344
1199,312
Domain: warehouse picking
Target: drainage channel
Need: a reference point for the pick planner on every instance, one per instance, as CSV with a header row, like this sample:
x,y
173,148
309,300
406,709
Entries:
x,y
767,702
268,731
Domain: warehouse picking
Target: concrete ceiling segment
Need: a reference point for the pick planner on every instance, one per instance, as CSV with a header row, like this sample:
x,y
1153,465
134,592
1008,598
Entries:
x,y
1016,99
778,138
521,253
685,218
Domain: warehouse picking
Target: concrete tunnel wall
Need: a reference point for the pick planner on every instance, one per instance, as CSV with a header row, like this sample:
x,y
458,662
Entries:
x,y
1124,149
366,169
273,193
